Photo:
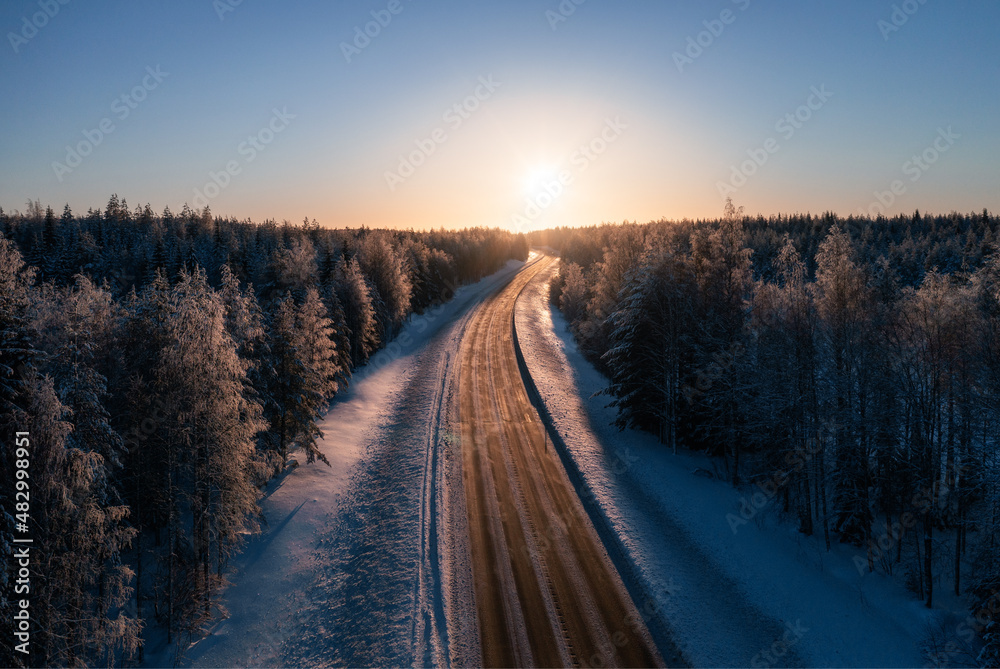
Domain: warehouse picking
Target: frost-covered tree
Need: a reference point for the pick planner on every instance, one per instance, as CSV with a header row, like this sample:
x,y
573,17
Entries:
x,y
843,300
305,374
82,582
293,268
17,348
573,296
935,329
243,316
17,356
622,253
316,343
211,435
786,392
722,267
389,276
650,350
432,274
192,439
340,333
359,312
76,325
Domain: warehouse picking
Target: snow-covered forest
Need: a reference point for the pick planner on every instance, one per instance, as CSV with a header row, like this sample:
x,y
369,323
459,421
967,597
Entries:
x,y
847,368
168,367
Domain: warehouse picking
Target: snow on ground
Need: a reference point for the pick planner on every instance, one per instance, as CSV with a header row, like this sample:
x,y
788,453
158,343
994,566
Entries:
x,y
764,595
347,571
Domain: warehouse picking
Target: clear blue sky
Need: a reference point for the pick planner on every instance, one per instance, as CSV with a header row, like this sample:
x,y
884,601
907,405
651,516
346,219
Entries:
x,y
662,138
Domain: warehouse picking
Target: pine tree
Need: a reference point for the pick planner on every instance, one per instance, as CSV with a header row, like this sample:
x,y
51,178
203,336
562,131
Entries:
x,y
389,277
293,269
650,350
341,334
316,346
306,369
83,582
16,347
573,297
359,313
212,430
722,266
621,255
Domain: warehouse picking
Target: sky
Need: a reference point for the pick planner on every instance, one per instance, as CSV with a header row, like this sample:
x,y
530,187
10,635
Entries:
x,y
516,114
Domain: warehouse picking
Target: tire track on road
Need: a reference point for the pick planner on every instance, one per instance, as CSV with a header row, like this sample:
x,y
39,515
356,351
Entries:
x,y
546,591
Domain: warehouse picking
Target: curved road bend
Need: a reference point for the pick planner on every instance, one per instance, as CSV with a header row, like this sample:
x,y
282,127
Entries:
x,y
546,592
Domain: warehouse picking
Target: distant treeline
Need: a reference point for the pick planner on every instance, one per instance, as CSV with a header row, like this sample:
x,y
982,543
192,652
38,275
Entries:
x,y
165,367
849,369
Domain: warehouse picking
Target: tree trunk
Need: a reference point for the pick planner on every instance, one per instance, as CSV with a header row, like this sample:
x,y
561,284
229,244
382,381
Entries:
x,y
821,483
928,558
958,550
138,579
920,567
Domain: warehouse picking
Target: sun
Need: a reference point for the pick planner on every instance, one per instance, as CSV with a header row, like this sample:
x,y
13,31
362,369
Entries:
x,y
536,178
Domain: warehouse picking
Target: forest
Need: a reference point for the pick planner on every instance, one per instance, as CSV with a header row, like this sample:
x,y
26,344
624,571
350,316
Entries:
x,y
167,366
844,371
846,368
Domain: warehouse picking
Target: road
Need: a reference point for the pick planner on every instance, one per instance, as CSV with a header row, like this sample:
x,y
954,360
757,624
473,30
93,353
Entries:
x,y
444,534
447,533
546,592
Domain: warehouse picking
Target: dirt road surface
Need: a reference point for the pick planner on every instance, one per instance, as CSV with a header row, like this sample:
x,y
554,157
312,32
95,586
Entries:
x,y
546,592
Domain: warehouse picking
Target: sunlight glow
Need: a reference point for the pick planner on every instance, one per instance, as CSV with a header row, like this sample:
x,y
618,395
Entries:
x,y
537,177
